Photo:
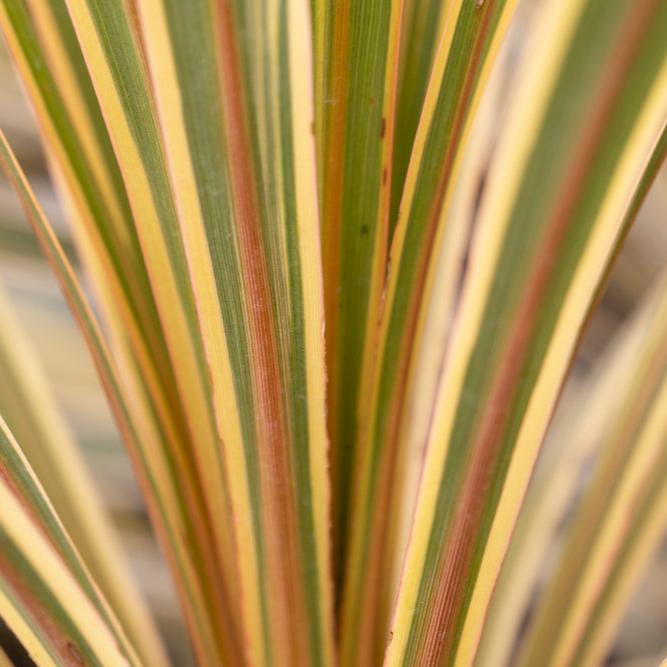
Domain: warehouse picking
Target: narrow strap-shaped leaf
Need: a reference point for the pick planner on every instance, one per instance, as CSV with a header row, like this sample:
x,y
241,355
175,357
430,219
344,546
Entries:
x,y
572,441
115,260
30,639
471,35
434,330
586,113
78,143
576,434
41,600
155,468
469,39
33,417
420,31
355,69
111,250
237,128
86,171
49,56
448,260
19,478
280,155
619,523
113,50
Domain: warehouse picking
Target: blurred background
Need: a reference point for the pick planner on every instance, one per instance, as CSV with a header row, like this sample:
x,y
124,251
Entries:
x,y
642,638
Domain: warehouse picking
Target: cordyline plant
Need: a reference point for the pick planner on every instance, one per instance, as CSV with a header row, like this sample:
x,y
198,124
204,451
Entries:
x,y
342,263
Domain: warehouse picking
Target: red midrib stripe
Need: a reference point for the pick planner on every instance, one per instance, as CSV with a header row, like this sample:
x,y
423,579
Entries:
x,y
273,434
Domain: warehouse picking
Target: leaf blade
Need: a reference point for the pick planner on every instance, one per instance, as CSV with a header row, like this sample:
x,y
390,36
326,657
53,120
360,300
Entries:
x,y
620,519
489,421
163,494
32,416
28,518
254,257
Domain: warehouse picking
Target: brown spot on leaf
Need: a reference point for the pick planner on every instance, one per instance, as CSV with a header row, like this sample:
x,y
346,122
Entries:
x,y
73,654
